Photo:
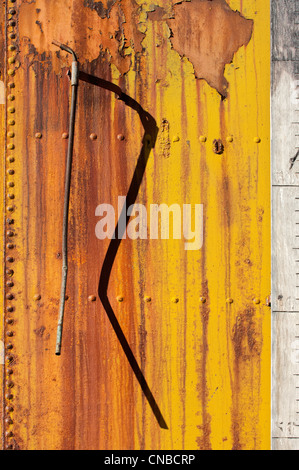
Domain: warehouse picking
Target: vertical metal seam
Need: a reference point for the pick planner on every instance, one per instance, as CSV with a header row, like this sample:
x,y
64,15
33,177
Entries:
x,y
10,24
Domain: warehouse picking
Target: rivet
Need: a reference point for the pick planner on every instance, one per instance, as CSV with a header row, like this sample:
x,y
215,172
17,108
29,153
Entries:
x,y
9,296
257,301
9,346
11,110
11,122
11,72
9,396
11,97
9,421
147,299
9,447
9,384
10,246
37,297
10,221
10,310
9,233
10,146
11,23
229,301
202,138
9,284
66,297
9,372
10,184
65,135
121,137
9,259
119,298
11,159
230,138
38,135
257,140
9,434
11,60
175,300
12,11
11,196
11,47
176,139
203,300
9,358
10,134
9,334
92,298
12,35
9,321
10,208
10,171
93,136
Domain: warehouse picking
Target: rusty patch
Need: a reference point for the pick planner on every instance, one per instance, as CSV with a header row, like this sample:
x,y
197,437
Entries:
x,y
102,8
245,336
164,140
40,331
209,33
94,30
218,147
158,14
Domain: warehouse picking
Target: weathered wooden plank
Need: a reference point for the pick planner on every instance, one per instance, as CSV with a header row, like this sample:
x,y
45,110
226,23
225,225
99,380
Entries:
x,y
285,383
285,249
285,123
285,224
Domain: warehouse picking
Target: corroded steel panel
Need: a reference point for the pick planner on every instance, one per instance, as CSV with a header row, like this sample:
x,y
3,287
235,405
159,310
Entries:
x,y
196,322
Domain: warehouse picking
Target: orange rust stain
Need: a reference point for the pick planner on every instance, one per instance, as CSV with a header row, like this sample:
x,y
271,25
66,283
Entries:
x,y
209,33
114,32
247,347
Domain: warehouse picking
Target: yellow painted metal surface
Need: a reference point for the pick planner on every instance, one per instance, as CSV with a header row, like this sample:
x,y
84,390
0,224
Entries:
x,y
203,341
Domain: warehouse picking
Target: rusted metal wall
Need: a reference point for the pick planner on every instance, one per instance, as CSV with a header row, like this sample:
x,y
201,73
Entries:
x,y
197,322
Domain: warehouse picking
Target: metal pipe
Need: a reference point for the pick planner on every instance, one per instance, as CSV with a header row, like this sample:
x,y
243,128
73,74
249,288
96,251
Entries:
x,y
74,83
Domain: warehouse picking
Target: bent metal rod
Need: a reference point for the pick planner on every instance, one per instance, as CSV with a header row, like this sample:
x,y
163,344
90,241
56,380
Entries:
x,y
74,83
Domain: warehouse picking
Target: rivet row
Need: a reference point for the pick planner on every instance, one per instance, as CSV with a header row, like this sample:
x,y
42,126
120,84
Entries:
x,y
9,282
